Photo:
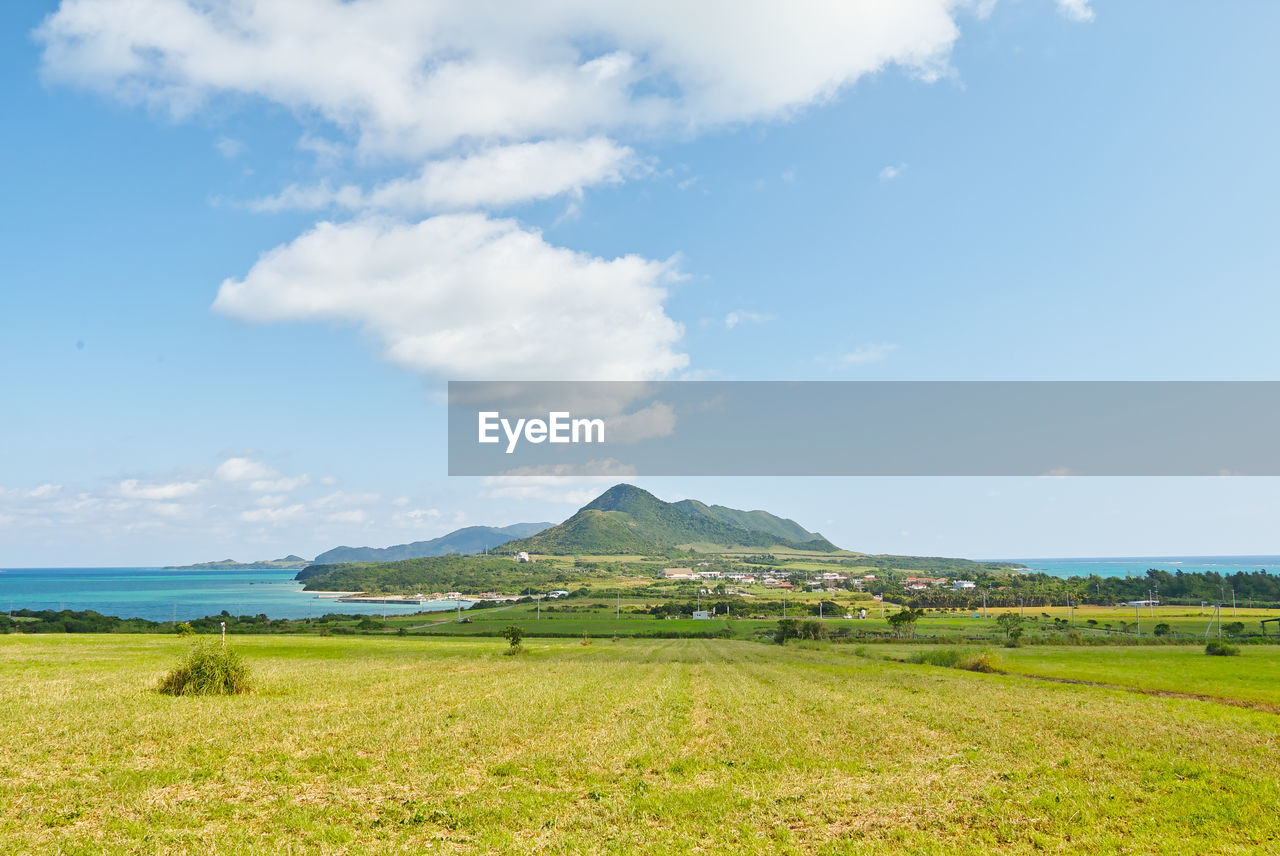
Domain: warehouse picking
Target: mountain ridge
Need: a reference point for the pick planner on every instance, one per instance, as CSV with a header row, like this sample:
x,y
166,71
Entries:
x,y
467,540
626,519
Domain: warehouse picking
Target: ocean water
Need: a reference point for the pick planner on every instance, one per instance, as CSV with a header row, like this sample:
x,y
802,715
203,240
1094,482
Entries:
x,y
161,595
1138,566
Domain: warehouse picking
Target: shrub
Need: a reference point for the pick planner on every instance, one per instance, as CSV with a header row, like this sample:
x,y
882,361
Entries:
x,y
1221,649
184,629
210,668
813,630
1163,629
952,658
513,633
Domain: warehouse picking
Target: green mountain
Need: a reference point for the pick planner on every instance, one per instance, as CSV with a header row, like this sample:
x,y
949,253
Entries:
x,y
626,519
469,539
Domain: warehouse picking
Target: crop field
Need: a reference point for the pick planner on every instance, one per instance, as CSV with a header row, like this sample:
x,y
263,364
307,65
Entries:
x,y
596,617
412,744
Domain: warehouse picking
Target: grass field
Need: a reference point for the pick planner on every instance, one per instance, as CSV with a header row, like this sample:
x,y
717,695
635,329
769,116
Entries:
x,y
411,745
595,617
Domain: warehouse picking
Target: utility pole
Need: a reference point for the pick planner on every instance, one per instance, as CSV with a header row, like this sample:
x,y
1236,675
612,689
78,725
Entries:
x,y
984,603
539,599
1137,615
617,610
784,605
1233,602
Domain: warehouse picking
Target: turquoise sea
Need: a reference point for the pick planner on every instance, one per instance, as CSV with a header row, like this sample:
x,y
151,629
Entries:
x,y
1138,566
161,595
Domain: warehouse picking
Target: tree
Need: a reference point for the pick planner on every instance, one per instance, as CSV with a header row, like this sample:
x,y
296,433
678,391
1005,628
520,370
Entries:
x,y
1010,621
513,633
1235,628
786,630
905,620
1163,629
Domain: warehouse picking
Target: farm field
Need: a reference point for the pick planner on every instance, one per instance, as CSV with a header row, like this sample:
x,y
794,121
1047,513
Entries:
x,y
596,617
1253,676
412,744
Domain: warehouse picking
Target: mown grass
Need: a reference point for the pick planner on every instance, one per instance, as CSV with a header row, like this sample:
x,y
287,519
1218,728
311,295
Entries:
x,y
412,745
1253,676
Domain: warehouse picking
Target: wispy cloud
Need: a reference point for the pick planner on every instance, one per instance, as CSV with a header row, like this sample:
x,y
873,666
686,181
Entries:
x,y
134,489
742,316
889,173
1076,10
866,354
228,148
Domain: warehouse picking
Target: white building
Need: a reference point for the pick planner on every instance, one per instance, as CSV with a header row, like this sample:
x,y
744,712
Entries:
x,y
523,557
961,585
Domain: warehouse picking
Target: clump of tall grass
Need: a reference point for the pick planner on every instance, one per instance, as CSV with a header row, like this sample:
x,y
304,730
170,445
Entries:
x,y
951,658
209,668
1218,648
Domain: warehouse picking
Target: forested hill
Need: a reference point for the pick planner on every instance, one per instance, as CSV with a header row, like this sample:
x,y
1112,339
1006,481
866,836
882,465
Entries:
x,y
626,519
469,539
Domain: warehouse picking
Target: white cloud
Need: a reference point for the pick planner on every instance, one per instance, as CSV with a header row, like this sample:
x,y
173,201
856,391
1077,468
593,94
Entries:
x,y
865,354
419,77
272,515
741,316
353,515
261,478
284,484
339,498
417,517
243,469
495,178
1076,10
466,296
134,489
564,483
168,509
228,147
44,491
535,94
889,173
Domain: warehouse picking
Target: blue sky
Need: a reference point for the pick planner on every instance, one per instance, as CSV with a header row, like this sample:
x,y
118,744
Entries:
x,y
1024,190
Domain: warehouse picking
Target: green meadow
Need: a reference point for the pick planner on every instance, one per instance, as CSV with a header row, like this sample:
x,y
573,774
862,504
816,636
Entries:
x,y
412,744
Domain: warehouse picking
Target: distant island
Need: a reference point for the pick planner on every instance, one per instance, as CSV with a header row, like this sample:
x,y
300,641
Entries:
x,y
288,563
469,539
